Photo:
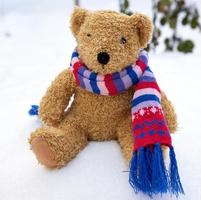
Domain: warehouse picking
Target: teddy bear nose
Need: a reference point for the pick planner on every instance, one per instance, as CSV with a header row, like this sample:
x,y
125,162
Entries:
x,y
103,58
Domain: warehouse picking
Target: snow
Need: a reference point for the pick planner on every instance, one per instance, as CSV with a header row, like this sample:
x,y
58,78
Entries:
x,y
35,45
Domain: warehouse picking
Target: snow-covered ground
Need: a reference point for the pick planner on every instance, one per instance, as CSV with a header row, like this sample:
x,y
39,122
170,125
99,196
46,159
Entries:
x,y
35,45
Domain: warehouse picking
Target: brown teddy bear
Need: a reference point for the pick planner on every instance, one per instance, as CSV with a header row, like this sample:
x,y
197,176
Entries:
x,y
107,42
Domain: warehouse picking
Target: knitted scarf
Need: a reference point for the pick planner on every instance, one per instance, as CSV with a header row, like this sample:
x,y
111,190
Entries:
x,y
148,171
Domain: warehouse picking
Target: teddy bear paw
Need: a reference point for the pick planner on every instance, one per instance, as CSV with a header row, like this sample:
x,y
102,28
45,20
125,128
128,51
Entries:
x,y
43,152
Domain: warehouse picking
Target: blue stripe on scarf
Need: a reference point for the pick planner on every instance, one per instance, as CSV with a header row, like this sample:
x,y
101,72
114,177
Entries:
x,y
145,97
118,82
93,83
148,69
144,59
80,76
132,75
75,54
147,79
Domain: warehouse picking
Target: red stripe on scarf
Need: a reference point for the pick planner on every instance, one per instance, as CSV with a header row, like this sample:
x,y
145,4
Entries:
x,y
110,85
144,85
141,64
76,77
76,67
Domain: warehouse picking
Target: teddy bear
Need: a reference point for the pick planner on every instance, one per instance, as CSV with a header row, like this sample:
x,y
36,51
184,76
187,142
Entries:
x,y
107,42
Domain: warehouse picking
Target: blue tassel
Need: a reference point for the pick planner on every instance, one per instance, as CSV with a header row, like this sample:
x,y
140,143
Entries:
x,y
148,154
144,177
159,172
175,183
133,175
33,110
139,177
149,175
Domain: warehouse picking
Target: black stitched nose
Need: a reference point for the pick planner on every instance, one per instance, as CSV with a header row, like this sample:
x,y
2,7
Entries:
x,y
103,58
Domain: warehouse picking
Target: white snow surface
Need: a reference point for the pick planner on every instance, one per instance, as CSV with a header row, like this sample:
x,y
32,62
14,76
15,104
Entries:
x,y
35,45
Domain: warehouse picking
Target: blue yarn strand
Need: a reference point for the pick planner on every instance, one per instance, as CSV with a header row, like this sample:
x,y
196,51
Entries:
x,y
159,172
33,110
175,183
144,173
133,175
148,155
140,176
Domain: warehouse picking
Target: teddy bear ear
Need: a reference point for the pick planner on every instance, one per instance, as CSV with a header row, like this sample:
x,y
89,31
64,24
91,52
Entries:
x,y
77,19
144,27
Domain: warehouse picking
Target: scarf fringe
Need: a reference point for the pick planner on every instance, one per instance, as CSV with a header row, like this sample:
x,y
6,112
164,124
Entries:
x,y
175,183
149,175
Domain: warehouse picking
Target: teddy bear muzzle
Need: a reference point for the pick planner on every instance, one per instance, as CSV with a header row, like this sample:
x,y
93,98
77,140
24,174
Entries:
x,y
103,58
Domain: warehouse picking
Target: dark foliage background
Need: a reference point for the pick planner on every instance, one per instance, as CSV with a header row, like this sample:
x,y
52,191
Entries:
x,y
174,14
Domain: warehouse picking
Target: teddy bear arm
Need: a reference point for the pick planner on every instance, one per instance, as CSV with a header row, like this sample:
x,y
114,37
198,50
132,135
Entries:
x,y
56,99
169,113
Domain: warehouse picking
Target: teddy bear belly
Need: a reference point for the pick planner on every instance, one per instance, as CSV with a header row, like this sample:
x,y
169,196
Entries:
x,y
101,115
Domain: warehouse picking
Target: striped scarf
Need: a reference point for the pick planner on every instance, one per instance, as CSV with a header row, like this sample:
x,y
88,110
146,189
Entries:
x,y
148,172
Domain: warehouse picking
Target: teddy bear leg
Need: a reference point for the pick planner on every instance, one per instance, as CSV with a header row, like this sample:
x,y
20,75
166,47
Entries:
x,y
125,139
54,147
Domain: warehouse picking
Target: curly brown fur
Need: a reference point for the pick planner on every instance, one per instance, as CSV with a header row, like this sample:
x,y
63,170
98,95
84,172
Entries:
x,y
103,30
91,116
170,114
56,99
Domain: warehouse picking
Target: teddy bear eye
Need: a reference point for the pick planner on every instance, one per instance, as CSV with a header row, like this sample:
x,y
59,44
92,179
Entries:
x,y
123,40
88,35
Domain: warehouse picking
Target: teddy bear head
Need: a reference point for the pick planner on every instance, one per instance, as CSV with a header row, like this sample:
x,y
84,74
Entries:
x,y
108,41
